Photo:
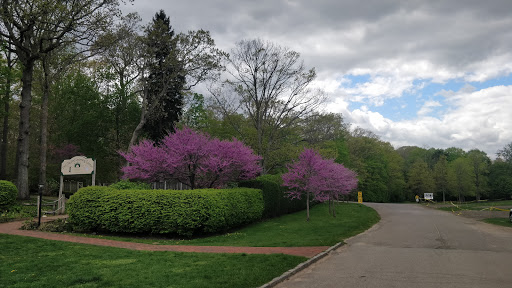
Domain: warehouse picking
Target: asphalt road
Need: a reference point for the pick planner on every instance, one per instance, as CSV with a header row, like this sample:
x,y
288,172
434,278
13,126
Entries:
x,y
414,246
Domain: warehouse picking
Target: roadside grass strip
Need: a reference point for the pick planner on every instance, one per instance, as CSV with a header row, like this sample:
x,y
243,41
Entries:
x,y
290,230
476,206
499,221
32,262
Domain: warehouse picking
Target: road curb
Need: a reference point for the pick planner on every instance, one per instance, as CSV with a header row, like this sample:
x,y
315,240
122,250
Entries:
x,y
301,266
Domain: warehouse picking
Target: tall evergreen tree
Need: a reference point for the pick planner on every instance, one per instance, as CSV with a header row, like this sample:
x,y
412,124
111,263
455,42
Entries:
x,y
166,78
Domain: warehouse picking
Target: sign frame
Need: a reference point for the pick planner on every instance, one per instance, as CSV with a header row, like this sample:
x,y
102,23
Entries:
x,y
78,165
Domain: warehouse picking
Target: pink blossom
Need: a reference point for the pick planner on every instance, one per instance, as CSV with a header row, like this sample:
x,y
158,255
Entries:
x,y
194,159
318,179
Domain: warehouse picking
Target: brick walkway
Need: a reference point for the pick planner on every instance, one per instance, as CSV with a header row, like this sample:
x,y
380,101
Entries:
x,y
12,228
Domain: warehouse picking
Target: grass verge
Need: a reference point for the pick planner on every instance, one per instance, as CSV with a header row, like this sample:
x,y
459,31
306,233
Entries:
x,y
290,230
499,221
31,262
474,205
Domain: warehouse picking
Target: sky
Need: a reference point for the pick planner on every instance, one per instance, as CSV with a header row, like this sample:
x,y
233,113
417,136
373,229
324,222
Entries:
x,y
433,74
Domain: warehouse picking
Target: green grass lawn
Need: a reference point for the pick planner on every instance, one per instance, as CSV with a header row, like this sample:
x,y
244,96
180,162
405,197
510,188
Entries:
x,y
499,221
31,262
475,205
286,231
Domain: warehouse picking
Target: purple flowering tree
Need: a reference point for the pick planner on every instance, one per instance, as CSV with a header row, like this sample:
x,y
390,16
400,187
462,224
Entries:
x,y
318,179
192,158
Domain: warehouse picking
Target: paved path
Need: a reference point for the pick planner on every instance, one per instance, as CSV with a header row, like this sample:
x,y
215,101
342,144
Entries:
x,y
414,246
12,228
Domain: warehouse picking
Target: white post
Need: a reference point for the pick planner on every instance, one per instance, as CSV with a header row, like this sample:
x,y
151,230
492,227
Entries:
x,y
59,201
94,174
38,204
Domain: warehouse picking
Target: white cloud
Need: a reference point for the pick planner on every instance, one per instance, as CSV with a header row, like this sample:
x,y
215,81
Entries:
x,y
479,119
428,107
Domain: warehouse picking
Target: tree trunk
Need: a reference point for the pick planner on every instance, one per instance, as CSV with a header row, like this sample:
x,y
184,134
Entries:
x,y
307,206
44,128
5,130
24,129
333,208
136,133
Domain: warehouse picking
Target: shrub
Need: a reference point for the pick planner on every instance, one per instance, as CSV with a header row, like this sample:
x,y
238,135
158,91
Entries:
x,y
186,213
8,193
274,196
127,184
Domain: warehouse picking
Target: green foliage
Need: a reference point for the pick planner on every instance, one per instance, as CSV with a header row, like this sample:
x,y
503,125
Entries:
x,y
128,185
480,169
82,118
441,177
195,116
186,213
275,201
379,168
164,67
500,180
420,179
8,193
461,180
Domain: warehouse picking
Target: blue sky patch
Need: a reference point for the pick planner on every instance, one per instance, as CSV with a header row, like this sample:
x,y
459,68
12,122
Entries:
x,y
407,106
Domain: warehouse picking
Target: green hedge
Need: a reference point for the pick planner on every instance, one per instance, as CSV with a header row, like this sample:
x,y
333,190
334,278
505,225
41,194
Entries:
x,y
274,195
127,185
186,213
8,193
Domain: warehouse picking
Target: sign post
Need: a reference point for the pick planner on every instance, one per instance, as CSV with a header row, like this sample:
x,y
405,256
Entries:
x,y
359,197
78,165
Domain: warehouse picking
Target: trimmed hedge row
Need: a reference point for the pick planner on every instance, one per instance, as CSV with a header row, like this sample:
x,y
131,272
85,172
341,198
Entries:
x,y
8,193
185,213
128,185
274,195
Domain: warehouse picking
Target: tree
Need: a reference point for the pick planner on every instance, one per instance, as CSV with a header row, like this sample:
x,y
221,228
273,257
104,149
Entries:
x,y
35,28
170,72
454,153
192,158
196,116
441,176
7,76
420,180
461,178
378,165
271,85
317,179
500,180
320,128
123,55
480,164
506,153
81,116
165,80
